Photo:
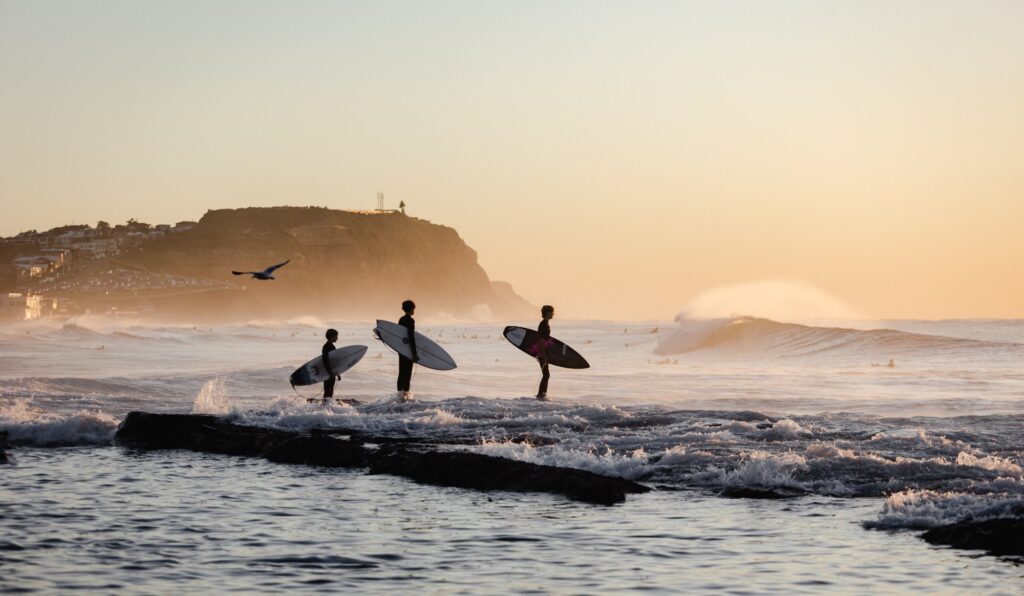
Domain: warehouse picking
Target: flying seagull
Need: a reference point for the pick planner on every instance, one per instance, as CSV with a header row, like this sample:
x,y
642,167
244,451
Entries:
x,y
262,275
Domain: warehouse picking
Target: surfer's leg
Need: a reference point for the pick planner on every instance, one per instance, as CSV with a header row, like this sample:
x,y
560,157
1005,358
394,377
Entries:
x,y
404,373
542,391
329,388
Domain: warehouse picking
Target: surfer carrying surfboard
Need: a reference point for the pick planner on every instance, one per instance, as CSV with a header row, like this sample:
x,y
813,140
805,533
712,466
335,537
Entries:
x,y
332,336
547,312
405,364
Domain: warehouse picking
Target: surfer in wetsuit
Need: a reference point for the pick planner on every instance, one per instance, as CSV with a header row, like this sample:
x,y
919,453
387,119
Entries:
x,y
405,364
332,336
544,329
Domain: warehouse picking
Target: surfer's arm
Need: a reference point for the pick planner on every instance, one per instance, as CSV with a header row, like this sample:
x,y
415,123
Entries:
x,y
327,363
541,348
412,341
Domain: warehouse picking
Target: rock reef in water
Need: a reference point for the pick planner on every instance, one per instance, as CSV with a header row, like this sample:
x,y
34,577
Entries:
x,y
484,472
1002,536
759,492
3,446
210,434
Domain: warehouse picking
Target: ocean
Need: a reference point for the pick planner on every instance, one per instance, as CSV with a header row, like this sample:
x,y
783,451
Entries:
x,y
862,434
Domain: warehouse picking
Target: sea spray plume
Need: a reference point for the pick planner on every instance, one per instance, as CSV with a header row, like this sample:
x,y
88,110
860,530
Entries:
x,y
721,316
788,301
212,398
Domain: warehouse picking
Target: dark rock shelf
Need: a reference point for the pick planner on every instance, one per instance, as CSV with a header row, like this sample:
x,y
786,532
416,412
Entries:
x,y
484,472
421,463
1003,536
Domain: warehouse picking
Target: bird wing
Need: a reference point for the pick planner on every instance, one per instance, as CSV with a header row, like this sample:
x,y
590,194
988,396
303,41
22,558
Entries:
x,y
242,272
271,269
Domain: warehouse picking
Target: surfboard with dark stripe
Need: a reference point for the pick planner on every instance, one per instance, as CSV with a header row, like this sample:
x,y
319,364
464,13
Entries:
x,y
531,342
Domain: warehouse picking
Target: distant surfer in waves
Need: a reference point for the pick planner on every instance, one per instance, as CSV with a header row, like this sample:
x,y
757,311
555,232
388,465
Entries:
x,y
405,364
332,336
547,312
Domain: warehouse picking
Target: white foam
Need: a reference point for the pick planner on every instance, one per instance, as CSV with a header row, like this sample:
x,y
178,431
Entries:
x,y
28,426
917,435
921,509
721,437
785,429
437,417
632,465
679,456
759,469
990,462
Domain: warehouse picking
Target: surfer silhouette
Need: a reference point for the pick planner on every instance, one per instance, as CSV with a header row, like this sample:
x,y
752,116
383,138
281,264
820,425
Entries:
x,y
547,312
405,364
332,336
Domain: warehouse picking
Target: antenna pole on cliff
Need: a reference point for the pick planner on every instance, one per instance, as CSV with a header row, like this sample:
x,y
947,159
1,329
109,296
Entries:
x,y
380,201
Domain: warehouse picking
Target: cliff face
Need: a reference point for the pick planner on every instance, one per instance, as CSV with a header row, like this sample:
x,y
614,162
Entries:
x,y
343,264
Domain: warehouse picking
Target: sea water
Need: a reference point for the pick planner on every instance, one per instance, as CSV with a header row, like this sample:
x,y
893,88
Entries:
x,y
868,454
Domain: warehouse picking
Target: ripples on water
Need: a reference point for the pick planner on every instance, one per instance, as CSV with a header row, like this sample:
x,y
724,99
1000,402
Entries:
x,y
792,410
102,519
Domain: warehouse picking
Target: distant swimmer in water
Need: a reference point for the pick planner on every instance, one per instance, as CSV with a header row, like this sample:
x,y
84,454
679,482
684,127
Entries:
x,y
405,364
547,312
891,364
332,336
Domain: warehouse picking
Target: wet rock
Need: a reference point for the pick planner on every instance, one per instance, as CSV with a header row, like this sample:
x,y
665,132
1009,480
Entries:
x,y
1002,537
485,472
210,434
758,492
3,447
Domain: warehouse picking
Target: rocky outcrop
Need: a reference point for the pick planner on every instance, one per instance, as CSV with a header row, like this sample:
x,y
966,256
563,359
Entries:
x,y
483,472
210,434
1002,537
3,446
343,264
759,492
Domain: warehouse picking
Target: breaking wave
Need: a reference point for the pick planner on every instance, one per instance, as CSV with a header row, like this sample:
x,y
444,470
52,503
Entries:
x,y
767,337
28,426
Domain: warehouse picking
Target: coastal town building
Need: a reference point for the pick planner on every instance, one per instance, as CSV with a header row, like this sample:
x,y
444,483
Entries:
x,y
20,306
32,266
69,239
98,248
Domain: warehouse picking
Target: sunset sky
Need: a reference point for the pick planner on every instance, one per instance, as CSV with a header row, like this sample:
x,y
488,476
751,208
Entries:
x,y
616,159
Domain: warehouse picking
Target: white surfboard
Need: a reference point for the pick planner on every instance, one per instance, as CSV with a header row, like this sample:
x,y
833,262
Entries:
x,y
341,359
396,337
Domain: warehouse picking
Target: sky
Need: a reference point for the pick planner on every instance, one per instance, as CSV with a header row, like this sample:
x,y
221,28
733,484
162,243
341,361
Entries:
x,y
615,159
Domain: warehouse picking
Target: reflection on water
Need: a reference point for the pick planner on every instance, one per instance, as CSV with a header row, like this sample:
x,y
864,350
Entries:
x,y
104,519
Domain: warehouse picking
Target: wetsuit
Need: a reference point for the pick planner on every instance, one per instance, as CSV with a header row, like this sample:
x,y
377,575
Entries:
x,y
544,329
405,364
329,383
